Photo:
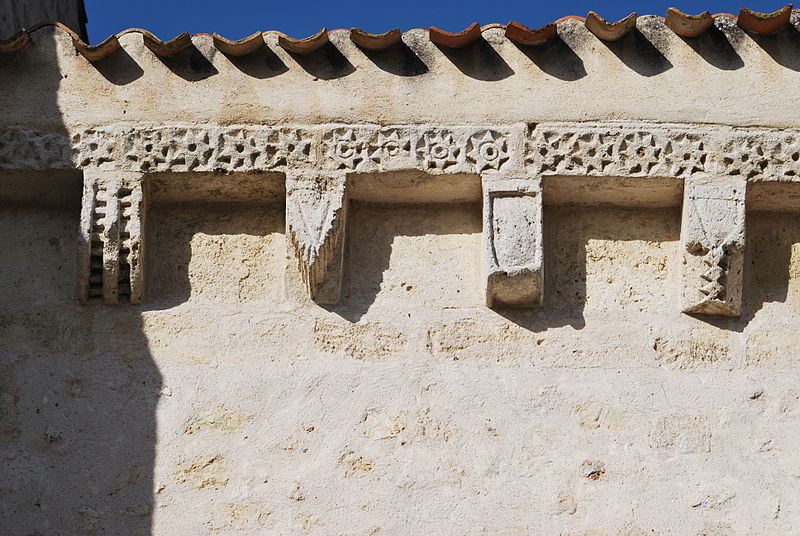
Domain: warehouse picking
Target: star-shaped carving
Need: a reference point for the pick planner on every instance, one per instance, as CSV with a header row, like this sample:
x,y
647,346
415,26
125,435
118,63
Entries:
x,y
345,149
388,145
487,150
438,149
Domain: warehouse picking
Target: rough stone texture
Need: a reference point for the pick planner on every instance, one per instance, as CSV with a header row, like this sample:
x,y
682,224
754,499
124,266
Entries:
x,y
316,223
111,244
512,223
713,235
229,402
17,14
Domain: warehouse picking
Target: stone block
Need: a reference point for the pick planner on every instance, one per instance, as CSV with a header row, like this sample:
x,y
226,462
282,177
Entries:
x,y
111,242
316,215
512,228
712,239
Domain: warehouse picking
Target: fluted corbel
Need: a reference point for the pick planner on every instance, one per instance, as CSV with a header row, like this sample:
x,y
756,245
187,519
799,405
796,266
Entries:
x,y
512,230
111,242
713,240
316,217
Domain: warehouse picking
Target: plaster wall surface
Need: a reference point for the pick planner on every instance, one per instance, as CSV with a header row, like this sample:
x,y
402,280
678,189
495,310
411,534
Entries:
x,y
231,401
18,14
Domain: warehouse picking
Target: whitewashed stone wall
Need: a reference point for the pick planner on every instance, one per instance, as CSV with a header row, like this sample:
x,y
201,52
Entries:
x,y
406,311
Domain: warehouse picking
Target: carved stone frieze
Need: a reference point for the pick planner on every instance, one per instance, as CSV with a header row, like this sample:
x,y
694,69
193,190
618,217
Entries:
x,y
111,242
624,150
713,239
317,158
635,149
487,149
762,155
21,148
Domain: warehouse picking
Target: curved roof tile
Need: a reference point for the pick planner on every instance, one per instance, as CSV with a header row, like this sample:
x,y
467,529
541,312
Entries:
x,y
455,40
306,45
375,41
681,23
688,25
764,23
522,35
242,47
610,31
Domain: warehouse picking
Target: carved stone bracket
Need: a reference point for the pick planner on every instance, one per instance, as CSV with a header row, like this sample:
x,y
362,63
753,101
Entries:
x,y
316,217
713,222
111,243
713,239
512,230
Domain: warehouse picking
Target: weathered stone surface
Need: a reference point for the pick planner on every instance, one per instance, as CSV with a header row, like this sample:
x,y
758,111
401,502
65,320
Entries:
x,y
111,244
229,402
713,237
512,226
316,224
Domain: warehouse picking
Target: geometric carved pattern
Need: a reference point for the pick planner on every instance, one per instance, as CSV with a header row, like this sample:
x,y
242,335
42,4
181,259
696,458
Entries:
x,y
713,221
623,151
111,239
768,154
623,148
316,217
713,239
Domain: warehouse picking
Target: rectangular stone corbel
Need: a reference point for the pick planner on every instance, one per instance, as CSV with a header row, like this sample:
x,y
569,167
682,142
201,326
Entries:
x,y
712,242
512,230
316,217
111,243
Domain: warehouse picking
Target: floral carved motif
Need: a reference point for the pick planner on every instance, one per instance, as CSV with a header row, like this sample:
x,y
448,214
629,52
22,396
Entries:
x,y
487,149
389,144
438,150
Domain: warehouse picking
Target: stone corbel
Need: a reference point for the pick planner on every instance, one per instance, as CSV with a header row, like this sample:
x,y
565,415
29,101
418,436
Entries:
x,y
316,217
512,230
111,249
712,240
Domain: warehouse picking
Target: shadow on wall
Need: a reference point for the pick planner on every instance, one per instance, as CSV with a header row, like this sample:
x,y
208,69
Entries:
x,y
769,268
641,50
78,386
403,256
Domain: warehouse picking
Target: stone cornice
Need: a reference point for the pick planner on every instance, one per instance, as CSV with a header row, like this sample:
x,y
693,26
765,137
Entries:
x,y
715,162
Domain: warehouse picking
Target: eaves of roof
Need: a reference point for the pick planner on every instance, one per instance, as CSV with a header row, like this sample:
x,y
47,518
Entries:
x,y
683,24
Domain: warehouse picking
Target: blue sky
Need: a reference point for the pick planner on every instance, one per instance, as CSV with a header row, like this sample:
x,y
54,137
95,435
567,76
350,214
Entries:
x,y
238,18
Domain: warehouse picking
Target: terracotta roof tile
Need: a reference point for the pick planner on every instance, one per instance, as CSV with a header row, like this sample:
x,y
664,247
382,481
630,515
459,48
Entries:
x,y
610,31
455,40
764,23
90,52
522,35
16,42
375,41
306,45
688,25
679,22
242,47
161,48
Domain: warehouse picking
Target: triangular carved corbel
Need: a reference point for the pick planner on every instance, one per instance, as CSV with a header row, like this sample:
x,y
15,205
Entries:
x,y
316,216
713,240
